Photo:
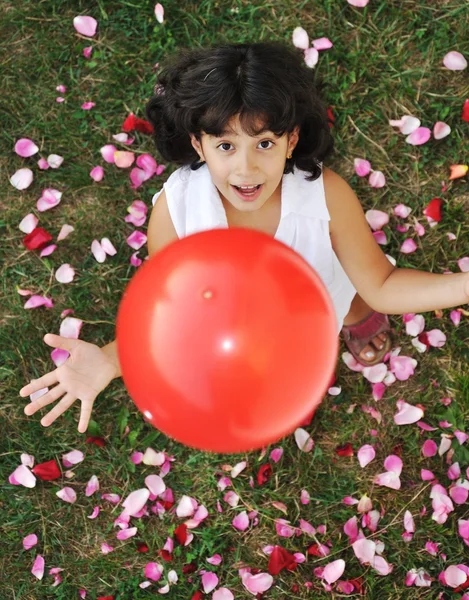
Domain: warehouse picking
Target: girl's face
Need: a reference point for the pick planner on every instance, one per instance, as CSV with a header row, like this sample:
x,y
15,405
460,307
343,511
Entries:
x,y
236,159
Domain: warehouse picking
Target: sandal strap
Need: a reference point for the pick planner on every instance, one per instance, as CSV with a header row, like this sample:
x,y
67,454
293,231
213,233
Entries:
x,y
374,324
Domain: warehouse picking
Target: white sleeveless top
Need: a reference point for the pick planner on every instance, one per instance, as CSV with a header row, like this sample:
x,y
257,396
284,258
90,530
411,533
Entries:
x,y
195,205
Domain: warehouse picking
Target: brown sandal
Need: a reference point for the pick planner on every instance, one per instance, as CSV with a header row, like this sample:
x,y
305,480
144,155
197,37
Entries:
x,y
360,334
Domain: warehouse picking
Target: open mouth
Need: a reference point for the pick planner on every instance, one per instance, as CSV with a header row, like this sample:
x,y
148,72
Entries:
x,y
248,192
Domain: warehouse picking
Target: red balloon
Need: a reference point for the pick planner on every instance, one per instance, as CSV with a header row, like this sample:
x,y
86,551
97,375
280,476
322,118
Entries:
x,y
227,340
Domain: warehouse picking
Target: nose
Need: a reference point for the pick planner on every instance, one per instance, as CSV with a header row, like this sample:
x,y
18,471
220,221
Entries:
x,y
246,165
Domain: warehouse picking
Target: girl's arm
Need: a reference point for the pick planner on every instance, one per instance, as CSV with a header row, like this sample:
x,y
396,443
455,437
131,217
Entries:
x,y
384,287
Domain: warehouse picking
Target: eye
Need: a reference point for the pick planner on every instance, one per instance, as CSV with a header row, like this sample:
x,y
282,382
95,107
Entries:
x,y
267,142
224,144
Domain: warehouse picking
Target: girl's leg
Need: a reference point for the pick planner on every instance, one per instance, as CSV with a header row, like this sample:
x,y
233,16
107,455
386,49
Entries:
x,y
378,344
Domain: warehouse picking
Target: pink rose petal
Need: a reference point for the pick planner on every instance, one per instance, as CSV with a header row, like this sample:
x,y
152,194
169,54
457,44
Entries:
x,y
92,486
125,534
85,25
300,38
97,251
49,199
463,264
257,584
454,576
25,147
22,179
311,57
436,338
70,328
159,12
135,501
403,211
215,560
43,164
67,494
223,594
376,373
402,367
108,247
303,440
362,167
322,43
22,476
333,571
106,548
441,130
364,550
276,454
38,567
418,137
209,582
30,541
97,173
407,413
241,521
48,250
28,223
153,571
365,455
136,240
87,51
429,448
455,316
377,219
123,158
64,232
408,246
155,484
107,152
88,105
54,161
135,261
65,273
358,3
95,513
454,61
377,179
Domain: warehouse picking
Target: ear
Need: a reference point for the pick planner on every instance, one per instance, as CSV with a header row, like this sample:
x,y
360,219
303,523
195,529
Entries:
x,y
293,139
197,146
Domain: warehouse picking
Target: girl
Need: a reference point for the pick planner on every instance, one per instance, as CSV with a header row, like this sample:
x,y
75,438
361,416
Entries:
x,y
250,131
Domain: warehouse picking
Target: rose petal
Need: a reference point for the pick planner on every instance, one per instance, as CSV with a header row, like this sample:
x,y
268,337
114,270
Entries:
x,y
136,240
441,130
65,273
377,219
85,25
29,541
222,594
463,264
107,152
408,246
22,476
67,494
123,158
333,571
364,550
241,521
22,179
377,179
64,232
209,582
135,501
407,413
311,57
38,567
362,167
257,584
97,173
54,161
159,12
97,251
403,211
454,61
436,338
365,455
125,534
92,486
418,137
155,484
454,576
25,147
303,440
28,223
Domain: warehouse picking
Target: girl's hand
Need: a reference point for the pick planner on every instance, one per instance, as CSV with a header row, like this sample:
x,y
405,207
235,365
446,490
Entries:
x,y
85,373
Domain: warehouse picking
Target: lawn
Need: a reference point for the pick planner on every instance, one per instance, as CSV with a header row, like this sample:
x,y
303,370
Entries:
x,y
386,61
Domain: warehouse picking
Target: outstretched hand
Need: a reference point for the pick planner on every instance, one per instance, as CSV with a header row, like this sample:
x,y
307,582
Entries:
x,y
85,373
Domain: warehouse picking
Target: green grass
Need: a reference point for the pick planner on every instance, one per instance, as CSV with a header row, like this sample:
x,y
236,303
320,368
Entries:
x,y
386,61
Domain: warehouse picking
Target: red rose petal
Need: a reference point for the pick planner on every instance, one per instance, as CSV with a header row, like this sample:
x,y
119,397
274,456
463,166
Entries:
x,y
465,111
433,210
142,547
281,559
189,568
98,441
37,239
264,474
134,123
47,471
344,450
165,555
197,596
180,533
330,116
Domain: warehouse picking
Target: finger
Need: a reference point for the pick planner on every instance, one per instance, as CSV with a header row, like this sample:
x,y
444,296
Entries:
x,y
58,409
38,384
57,341
85,416
51,396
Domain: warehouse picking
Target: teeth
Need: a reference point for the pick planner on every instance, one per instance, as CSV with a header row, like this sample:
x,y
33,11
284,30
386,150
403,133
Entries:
x,y
247,187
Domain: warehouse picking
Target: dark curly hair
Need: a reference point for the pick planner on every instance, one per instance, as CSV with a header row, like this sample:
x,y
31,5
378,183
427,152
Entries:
x,y
201,90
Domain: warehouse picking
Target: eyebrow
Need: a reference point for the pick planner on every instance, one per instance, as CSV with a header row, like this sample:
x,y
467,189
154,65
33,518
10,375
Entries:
x,y
229,132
